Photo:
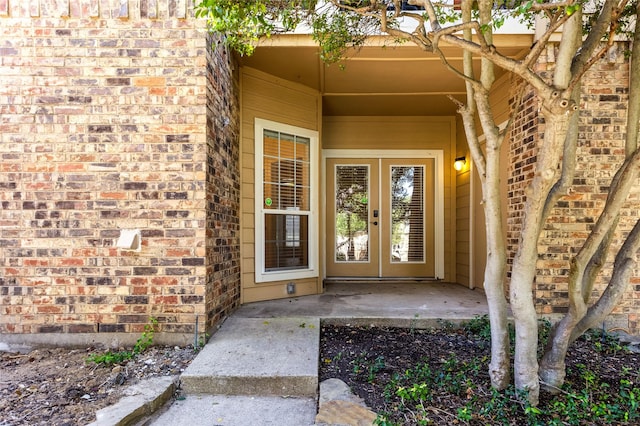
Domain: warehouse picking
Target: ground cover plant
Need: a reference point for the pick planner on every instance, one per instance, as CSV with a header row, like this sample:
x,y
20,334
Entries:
x,y
117,357
439,377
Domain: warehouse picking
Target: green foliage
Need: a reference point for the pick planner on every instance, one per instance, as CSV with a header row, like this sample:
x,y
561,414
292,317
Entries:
x,y
146,338
340,27
144,341
110,357
336,31
202,340
604,342
243,22
579,404
479,326
375,367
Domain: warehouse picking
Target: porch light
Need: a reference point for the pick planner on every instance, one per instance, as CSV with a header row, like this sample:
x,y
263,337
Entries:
x,y
459,163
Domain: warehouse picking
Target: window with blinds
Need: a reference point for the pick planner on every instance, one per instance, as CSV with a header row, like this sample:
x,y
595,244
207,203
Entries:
x,y
284,202
407,214
286,192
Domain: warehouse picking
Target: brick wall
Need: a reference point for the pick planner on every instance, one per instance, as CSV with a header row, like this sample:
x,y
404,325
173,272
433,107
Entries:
x,y
525,136
223,186
112,118
600,153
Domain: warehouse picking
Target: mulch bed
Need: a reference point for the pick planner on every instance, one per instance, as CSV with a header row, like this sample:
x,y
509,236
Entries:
x,y
368,358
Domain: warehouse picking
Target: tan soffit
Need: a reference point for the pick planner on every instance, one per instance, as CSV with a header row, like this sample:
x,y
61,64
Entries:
x,y
376,79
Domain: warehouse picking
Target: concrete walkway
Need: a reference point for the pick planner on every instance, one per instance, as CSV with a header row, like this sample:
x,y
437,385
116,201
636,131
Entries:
x,y
261,367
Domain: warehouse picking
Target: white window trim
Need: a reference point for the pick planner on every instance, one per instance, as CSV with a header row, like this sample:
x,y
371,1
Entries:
x,y
262,276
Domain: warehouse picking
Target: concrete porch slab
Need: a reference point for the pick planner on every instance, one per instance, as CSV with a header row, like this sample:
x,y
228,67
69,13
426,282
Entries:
x,y
391,304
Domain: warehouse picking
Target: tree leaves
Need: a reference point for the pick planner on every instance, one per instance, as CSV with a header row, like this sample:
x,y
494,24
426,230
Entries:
x,y
244,22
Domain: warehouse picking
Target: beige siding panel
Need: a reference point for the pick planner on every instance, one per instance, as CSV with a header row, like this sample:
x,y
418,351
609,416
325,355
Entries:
x,y
464,190
270,98
463,178
278,290
499,98
248,250
386,132
463,210
248,221
248,158
276,111
248,235
248,265
277,100
251,207
463,235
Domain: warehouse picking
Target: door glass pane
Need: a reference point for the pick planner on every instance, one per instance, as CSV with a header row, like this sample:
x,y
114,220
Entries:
x,y
407,214
352,213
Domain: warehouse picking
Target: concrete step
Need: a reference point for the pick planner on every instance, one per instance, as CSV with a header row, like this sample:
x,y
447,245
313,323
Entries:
x,y
207,410
258,356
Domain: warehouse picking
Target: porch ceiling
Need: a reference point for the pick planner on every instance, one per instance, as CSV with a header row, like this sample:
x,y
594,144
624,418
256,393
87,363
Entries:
x,y
375,80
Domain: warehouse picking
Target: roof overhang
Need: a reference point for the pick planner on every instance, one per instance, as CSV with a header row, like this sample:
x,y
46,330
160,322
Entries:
x,y
380,78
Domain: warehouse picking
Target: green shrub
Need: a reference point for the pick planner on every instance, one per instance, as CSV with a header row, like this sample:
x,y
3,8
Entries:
x,y
144,341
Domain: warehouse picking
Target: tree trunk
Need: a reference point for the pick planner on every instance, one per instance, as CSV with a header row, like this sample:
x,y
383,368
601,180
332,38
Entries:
x,y
495,269
524,265
494,276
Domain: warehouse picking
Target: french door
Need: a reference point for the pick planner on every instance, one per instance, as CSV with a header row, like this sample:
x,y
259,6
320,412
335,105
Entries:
x,y
380,217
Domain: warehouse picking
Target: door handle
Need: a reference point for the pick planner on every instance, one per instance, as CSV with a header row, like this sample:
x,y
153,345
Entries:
x,y
375,222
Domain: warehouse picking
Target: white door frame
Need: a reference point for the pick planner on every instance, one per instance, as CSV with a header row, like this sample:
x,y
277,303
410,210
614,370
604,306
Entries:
x,y
438,215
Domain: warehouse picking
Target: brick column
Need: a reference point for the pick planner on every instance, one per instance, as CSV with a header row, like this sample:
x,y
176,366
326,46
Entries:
x,y
600,153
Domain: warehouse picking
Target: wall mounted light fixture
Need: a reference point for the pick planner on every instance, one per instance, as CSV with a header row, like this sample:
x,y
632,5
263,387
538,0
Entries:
x,y
459,163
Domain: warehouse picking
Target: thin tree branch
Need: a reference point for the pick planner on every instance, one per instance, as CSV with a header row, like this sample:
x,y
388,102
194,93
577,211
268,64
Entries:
x,y
508,64
517,99
633,108
593,40
548,6
569,43
619,190
596,263
541,44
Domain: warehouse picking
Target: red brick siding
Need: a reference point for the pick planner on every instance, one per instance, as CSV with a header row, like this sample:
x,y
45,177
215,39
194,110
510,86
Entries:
x,y
599,154
223,188
105,125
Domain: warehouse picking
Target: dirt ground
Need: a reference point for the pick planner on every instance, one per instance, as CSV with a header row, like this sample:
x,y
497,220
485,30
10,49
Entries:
x,y
60,387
